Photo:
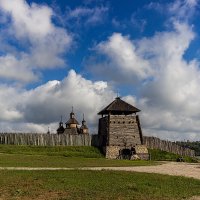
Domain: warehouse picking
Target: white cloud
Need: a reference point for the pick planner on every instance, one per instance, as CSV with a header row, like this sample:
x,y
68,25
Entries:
x,y
87,16
171,100
182,9
175,78
24,127
123,59
8,105
42,43
86,96
33,20
11,68
169,85
179,10
41,107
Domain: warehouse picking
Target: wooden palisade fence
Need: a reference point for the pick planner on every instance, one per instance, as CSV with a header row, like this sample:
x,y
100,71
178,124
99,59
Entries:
x,y
156,143
37,139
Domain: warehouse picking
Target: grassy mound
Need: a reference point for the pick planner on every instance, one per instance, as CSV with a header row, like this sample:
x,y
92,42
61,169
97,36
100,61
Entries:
x,y
67,151
59,156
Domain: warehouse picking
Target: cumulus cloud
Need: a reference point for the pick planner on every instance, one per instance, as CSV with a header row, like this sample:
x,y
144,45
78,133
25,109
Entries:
x,y
84,95
41,42
8,105
122,58
11,68
27,19
24,127
167,82
38,108
171,98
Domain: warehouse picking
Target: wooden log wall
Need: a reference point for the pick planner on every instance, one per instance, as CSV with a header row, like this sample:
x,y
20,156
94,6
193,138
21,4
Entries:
x,y
123,131
37,139
156,143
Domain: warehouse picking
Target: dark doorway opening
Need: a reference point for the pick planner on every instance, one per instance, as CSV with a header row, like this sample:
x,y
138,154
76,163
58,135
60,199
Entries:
x,y
125,154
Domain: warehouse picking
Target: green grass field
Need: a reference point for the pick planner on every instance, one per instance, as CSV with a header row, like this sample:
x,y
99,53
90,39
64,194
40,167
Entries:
x,y
66,156
94,185
86,185
20,160
66,151
74,157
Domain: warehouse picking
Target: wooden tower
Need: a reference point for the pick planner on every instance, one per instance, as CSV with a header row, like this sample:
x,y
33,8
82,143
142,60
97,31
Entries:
x,y
119,130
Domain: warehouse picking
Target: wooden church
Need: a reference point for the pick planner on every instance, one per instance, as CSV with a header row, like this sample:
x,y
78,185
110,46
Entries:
x,y
72,126
120,133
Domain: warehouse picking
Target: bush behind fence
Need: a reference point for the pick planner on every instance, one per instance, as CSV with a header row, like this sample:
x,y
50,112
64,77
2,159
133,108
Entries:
x,y
38,139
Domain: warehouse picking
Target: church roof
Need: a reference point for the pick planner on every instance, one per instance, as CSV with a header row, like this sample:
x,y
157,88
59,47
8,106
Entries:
x,y
84,127
72,121
61,129
118,107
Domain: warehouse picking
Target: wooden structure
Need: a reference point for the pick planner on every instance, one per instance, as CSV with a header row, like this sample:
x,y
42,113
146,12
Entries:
x,y
120,134
60,129
168,146
39,139
72,126
84,129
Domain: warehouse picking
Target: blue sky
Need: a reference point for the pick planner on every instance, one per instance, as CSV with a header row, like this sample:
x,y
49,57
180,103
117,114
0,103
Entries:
x,y
57,54
134,19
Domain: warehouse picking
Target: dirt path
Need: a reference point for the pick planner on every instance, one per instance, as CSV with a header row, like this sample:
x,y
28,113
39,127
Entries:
x,y
170,168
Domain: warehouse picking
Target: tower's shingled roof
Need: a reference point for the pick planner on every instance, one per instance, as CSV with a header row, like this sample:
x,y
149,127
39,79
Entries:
x,y
118,107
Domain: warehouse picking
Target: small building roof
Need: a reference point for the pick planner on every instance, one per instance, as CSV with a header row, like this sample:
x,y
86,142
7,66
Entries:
x,y
61,129
119,107
84,127
72,121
